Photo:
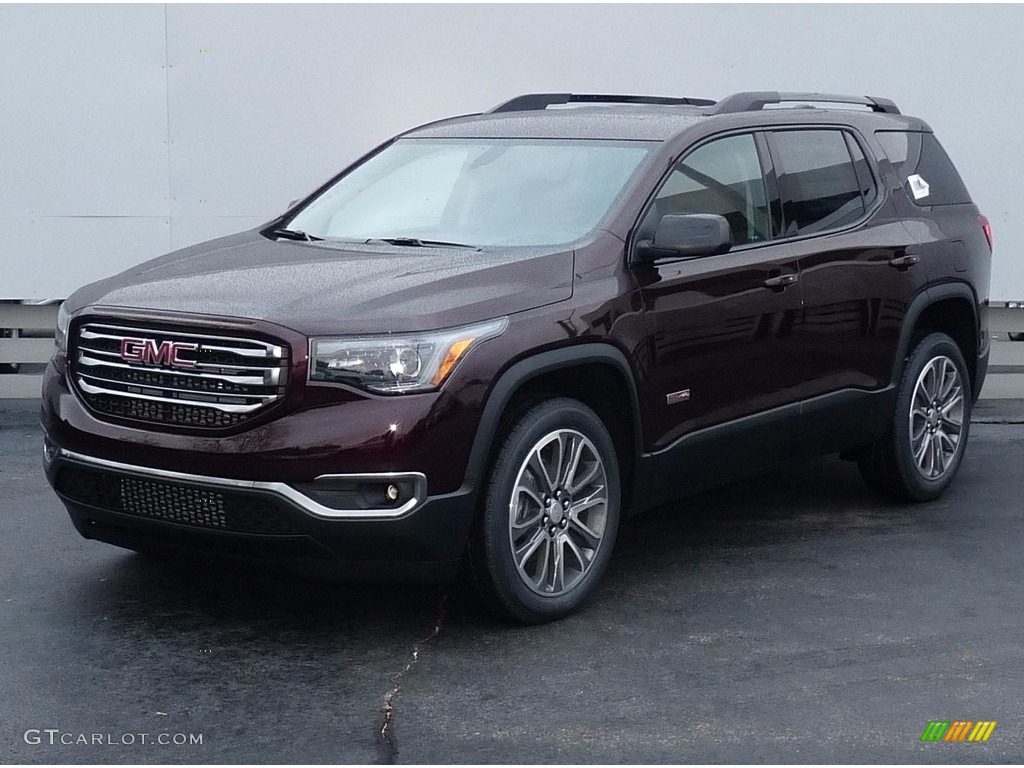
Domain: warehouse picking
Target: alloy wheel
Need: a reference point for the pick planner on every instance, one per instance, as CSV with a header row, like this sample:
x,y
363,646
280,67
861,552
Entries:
x,y
936,417
558,512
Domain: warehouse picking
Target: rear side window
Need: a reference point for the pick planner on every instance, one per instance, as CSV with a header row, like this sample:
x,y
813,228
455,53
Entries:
x,y
924,168
821,189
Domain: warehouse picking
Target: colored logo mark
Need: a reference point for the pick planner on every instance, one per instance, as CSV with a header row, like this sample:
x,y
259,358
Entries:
x,y
958,730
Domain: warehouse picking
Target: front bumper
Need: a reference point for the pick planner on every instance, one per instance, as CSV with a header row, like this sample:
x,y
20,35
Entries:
x,y
336,524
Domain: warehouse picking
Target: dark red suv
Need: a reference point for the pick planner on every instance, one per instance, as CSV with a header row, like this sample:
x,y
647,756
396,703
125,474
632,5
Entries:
x,y
490,337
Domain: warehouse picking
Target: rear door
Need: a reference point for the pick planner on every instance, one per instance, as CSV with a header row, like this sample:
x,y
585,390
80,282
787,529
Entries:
x,y
860,268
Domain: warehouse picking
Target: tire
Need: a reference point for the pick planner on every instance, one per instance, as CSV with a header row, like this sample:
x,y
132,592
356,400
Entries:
x,y
1016,336
925,445
533,561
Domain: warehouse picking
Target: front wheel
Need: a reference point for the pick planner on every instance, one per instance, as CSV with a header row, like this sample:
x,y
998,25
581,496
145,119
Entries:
x,y
920,456
550,514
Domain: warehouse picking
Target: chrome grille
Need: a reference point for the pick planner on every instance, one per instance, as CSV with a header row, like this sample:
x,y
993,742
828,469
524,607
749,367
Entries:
x,y
188,379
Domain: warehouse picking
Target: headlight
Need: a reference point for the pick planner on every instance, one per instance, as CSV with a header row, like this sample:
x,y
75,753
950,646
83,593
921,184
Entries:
x,y
395,364
61,333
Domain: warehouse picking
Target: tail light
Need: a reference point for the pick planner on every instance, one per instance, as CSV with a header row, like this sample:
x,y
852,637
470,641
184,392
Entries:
x,y
986,227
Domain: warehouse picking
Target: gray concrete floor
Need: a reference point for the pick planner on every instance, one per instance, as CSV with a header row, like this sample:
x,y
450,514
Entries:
x,y
790,618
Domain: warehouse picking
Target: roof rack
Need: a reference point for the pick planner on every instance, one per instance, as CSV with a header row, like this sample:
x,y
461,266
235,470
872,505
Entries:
x,y
537,101
752,101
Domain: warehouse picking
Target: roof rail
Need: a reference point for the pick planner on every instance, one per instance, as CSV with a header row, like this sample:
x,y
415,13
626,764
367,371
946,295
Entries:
x,y
537,101
751,101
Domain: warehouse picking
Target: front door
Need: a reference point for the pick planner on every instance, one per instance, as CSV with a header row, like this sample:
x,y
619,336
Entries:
x,y
720,327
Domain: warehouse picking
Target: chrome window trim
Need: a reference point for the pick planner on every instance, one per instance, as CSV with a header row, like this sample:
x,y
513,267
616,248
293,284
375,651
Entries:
x,y
298,499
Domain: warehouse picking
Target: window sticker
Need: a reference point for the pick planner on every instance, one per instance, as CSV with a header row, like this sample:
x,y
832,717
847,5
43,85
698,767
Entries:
x,y
918,186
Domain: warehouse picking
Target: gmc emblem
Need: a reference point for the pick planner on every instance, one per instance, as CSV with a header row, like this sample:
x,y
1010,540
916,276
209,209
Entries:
x,y
148,352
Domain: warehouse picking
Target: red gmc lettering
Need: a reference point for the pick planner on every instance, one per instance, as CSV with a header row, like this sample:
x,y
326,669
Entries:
x,y
149,352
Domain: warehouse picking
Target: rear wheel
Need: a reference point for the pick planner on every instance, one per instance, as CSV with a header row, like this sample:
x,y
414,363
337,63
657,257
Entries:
x,y
920,456
550,514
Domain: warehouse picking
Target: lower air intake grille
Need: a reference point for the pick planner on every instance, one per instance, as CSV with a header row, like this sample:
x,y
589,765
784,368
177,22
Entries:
x,y
169,502
187,506
164,413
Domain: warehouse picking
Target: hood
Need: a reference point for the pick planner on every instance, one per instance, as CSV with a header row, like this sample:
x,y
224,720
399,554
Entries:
x,y
317,289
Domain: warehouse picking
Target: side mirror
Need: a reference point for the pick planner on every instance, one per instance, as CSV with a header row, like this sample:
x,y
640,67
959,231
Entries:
x,y
687,236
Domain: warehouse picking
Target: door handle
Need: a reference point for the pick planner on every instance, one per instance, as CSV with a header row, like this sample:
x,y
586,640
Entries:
x,y
903,263
781,282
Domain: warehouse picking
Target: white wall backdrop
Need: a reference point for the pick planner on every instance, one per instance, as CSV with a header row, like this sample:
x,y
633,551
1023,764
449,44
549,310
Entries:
x,y
126,131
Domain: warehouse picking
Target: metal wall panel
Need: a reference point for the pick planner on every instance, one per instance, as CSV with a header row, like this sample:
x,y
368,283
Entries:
x,y
83,158
83,110
57,255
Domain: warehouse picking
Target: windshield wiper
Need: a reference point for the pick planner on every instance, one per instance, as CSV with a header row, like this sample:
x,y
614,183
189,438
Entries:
x,y
416,242
294,234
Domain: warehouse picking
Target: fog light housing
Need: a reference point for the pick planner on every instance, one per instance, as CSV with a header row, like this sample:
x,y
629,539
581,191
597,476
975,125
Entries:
x,y
50,451
385,492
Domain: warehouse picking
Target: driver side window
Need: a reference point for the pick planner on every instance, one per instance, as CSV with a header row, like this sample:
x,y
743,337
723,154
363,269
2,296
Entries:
x,y
722,177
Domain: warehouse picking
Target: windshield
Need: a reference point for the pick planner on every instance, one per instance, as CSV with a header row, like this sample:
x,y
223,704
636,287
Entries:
x,y
481,192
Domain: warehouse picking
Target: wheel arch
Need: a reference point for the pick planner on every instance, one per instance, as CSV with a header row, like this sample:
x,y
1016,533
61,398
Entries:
x,y
950,308
596,374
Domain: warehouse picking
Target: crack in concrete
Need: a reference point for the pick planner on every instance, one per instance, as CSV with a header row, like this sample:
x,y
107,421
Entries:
x,y
385,740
